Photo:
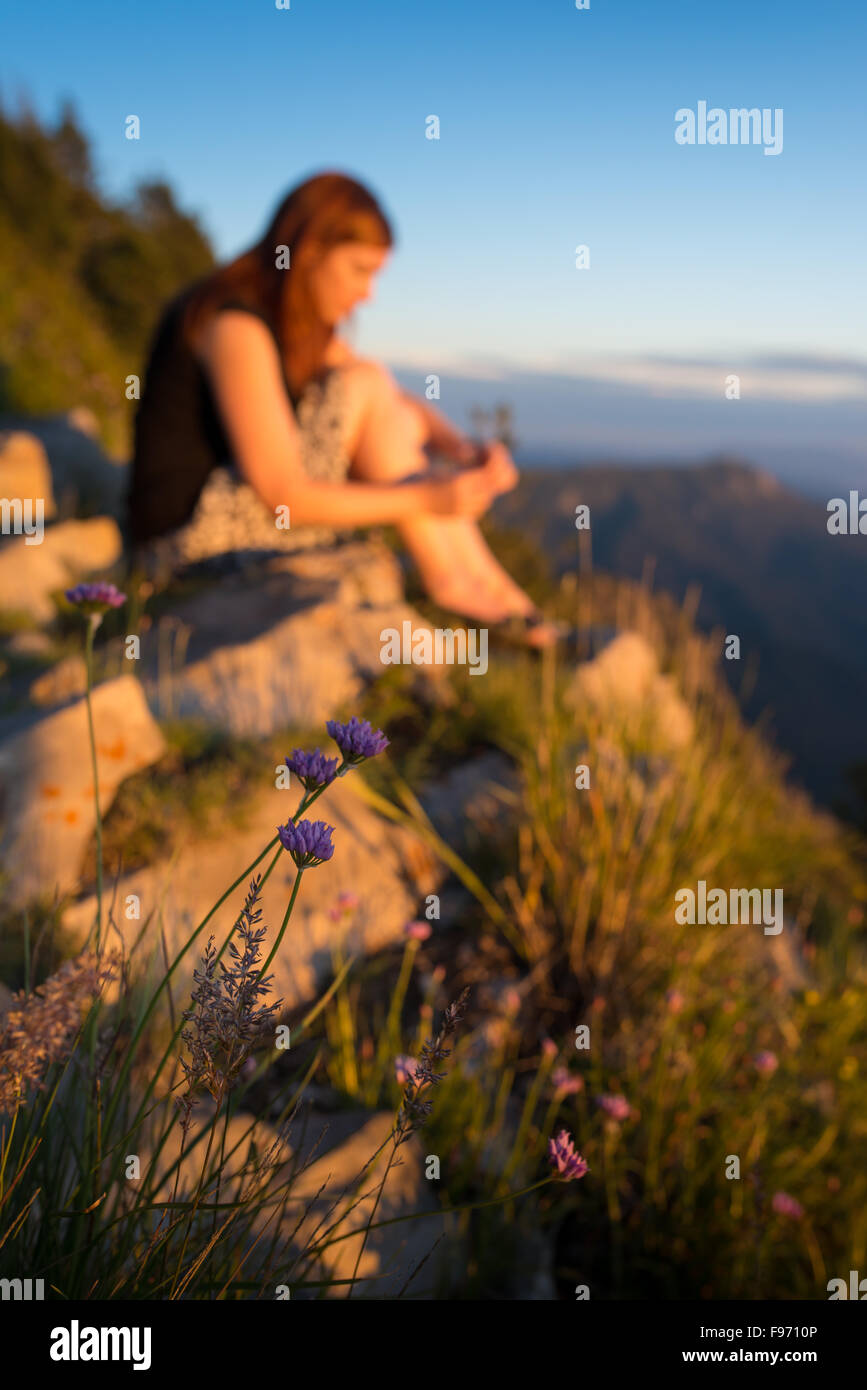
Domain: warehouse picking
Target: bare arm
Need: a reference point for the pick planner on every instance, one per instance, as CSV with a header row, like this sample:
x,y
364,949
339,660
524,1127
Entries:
x,y
243,366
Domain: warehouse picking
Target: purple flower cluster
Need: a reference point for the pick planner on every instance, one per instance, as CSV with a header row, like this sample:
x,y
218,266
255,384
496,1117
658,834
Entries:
x,y
357,739
564,1157
312,769
95,598
308,841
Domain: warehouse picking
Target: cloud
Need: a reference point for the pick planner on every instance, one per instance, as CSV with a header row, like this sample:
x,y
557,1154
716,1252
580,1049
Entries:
x,y
805,379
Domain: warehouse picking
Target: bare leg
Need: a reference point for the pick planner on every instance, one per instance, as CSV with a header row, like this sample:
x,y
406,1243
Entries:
x,y
459,572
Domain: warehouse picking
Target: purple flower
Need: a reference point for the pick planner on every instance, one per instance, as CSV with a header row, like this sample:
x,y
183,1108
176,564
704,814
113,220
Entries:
x,y
784,1205
312,769
565,1084
405,1069
308,842
417,931
615,1107
95,599
766,1063
564,1158
357,740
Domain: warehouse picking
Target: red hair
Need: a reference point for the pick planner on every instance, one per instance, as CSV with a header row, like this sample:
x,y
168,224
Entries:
x,y
314,216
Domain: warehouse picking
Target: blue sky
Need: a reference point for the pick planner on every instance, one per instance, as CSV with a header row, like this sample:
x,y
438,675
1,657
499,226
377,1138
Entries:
x,y
557,129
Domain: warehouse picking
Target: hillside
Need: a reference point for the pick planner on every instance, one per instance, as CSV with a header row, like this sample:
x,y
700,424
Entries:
x,y
767,569
81,279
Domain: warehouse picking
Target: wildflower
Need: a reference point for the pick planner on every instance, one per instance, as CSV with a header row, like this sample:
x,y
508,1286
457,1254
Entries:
x,y
308,842
566,1084
312,769
675,1001
784,1205
766,1063
405,1069
95,599
39,1028
357,739
413,1110
227,1019
343,905
615,1107
564,1158
549,1048
512,1001
417,931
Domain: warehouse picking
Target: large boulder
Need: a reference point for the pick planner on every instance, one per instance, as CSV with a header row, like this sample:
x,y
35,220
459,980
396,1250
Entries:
x,y
85,479
25,472
285,645
624,687
387,869
333,1190
48,810
30,574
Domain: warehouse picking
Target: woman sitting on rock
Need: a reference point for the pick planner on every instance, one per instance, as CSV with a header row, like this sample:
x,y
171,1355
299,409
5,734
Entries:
x,y
260,430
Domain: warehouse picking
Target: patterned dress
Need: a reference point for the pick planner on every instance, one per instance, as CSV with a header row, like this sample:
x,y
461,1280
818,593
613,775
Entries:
x,y
231,526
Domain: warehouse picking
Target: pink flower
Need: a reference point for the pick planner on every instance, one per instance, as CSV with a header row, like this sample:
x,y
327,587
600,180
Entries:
x,y
417,931
564,1158
550,1048
344,904
784,1205
405,1069
675,1001
565,1084
512,1001
766,1063
615,1107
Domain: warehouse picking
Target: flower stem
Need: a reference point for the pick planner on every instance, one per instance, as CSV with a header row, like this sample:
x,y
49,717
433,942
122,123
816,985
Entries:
x,y
92,625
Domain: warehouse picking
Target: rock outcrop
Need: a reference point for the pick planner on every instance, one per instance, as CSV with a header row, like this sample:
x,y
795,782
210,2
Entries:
x,y
288,644
384,867
30,574
48,810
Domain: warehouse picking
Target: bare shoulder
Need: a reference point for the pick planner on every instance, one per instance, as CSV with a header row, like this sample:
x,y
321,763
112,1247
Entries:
x,y
228,326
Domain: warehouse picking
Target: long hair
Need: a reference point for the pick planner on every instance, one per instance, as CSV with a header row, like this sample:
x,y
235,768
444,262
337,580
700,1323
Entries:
x,y
313,217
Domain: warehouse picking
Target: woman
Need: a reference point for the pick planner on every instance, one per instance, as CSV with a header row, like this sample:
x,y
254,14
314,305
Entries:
x,y
259,428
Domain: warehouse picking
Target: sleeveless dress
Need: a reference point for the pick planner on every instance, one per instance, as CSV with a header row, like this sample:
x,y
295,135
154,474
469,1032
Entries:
x,y
182,471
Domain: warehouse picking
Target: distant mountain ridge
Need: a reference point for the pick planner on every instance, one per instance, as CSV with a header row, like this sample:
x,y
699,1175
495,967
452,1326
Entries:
x,y
767,568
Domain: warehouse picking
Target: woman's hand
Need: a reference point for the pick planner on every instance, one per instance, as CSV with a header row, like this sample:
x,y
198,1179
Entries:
x,y
496,456
472,491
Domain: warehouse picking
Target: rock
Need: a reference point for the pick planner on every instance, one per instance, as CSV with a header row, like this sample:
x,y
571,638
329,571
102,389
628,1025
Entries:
x,y
392,1254
383,865
85,478
82,419
285,645
29,574
48,805
29,645
25,471
475,802
624,687
326,1159
65,681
